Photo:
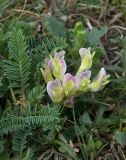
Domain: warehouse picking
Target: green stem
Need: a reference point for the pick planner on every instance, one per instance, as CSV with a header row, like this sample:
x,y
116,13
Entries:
x,y
12,94
77,128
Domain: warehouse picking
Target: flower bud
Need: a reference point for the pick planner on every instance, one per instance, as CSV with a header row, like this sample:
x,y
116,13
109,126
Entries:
x,y
69,102
46,74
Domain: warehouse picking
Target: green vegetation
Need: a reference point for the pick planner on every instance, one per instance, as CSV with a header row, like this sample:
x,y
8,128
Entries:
x,y
81,126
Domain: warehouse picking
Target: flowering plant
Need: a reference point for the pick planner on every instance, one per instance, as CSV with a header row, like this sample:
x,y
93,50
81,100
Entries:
x,y
62,86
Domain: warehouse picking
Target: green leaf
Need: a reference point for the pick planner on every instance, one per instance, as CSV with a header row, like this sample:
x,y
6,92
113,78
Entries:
x,y
95,34
80,35
121,138
65,148
55,27
3,85
19,141
17,67
26,27
85,119
99,115
29,154
96,59
78,28
4,4
45,116
36,95
69,134
98,144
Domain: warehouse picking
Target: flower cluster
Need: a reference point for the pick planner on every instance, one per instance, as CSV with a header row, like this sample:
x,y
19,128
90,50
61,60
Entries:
x,y
63,86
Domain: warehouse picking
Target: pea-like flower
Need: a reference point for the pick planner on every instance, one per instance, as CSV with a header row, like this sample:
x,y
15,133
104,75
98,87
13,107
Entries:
x,y
63,87
83,80
55,91
58,65
86,59
69,85
46,74
100,81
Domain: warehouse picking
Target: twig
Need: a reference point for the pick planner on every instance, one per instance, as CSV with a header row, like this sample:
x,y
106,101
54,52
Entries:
x,y
122,153
27,12
89,6
23,9
45,153
52,152
114,152
120,27
101,149
103,10
3,19
115,18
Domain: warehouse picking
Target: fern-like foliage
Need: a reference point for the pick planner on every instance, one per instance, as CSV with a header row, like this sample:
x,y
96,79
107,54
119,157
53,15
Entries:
x,y
33,41
28,155
17,67
19,141
36,95
45,116
27,114
4,4
3,86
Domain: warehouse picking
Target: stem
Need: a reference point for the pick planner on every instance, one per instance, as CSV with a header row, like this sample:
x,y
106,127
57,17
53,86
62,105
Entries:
x,y
82,150
61,112
12,94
